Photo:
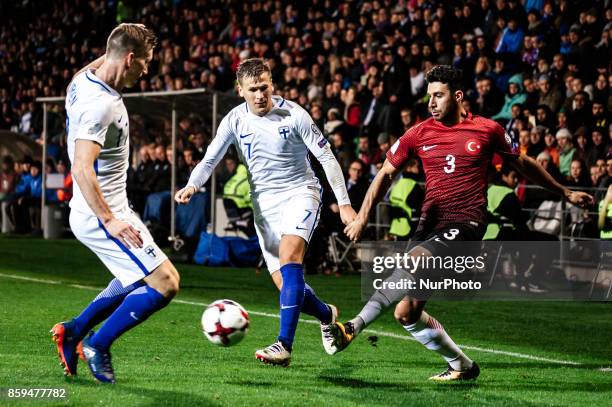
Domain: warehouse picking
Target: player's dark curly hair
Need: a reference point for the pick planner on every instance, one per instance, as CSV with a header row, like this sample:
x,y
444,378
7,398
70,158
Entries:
x,y
446,74
252,68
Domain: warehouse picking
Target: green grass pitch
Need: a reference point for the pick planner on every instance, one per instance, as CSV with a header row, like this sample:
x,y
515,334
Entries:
x,y
531,353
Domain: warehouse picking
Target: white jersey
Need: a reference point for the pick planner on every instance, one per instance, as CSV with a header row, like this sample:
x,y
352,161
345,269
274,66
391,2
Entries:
x,y
96,112
273,147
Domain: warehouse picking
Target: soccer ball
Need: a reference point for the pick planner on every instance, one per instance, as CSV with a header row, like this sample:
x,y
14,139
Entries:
x,y
225,322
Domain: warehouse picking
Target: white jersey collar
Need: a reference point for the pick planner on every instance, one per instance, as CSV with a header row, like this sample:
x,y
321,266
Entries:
x,y
90,74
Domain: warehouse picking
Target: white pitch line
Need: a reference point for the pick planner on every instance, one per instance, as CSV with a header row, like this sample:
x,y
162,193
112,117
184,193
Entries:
x,y
310,321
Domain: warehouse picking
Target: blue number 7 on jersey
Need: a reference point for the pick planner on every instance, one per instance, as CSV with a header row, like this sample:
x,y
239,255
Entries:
x,y
248,146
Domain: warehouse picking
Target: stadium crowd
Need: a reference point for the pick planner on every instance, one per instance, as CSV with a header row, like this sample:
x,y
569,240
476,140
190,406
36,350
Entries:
x,y
541,68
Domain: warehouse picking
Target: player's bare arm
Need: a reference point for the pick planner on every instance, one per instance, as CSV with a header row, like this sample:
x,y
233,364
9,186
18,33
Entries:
x,y
601,221
534,172
85,154
376,191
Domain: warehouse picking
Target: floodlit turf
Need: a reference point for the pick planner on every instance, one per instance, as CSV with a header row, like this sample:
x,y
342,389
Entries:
x,y
167,360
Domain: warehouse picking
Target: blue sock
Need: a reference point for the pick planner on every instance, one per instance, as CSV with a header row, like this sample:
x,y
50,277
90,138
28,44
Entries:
x,y
315,307
102,306
136,308
291,300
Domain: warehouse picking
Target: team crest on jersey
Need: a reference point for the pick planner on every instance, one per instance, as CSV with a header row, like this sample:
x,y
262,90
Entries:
x,y
150,250
473,146
283,131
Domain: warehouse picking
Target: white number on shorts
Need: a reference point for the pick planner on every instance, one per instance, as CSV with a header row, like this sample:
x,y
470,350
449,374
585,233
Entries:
x,y
450,161
451,234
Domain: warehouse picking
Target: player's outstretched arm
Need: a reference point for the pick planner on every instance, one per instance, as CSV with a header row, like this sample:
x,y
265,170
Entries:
x,y
535,173
318,145
378,188
333,173
85,154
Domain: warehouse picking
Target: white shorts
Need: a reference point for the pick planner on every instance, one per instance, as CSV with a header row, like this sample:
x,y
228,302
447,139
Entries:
x,y
128,265
294,212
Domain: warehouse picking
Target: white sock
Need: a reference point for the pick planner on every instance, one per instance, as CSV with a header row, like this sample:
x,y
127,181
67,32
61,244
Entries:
x,y
431,333
358,325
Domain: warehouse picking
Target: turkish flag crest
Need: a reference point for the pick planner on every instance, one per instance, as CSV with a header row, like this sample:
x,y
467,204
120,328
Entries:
x,y
473,146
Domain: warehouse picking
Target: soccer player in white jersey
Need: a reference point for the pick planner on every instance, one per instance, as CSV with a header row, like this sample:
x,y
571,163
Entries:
x,y
273,137
98,145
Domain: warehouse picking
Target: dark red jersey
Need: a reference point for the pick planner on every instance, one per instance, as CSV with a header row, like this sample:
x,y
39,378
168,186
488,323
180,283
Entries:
x,y
455,160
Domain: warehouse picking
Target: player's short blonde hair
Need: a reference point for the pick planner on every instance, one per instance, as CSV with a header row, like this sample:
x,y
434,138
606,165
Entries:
x,y
252,68
128,37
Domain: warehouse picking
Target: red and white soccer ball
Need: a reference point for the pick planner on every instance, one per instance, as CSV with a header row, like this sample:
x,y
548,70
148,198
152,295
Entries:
x,y
225,322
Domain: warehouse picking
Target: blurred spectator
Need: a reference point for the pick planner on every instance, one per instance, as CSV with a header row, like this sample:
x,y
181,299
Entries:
x,y
357,183
374,112
551,148
580,142
600,117
352,111
511,39
140,180
549,96
544,116
64,194
198,144
578,177
536,141
407,117
237,198
28,196
580,113
545,160
160,176
566,151
383,144
185,167
368,155
489,99
524,141
514,96
8,179
341,148
406,198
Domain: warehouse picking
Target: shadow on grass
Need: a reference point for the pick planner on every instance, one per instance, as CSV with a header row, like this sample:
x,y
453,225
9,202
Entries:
x,y
358,383
150,397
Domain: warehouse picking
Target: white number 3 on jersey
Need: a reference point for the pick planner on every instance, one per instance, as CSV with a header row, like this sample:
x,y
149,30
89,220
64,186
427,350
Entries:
x,y
450,164
450,235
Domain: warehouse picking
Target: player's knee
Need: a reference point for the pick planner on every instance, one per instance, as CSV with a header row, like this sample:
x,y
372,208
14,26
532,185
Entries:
x,y
166,280
406,316
173,282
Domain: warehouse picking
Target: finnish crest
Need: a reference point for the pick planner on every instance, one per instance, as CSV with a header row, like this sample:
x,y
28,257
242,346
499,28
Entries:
x,y
283,131
150,250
